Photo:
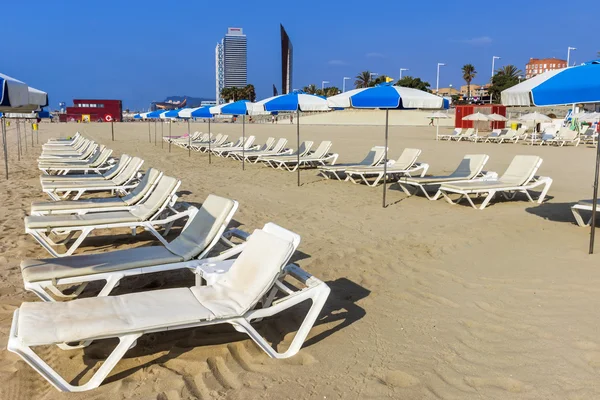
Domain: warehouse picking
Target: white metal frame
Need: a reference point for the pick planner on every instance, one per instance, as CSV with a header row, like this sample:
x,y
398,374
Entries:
x,y
365,175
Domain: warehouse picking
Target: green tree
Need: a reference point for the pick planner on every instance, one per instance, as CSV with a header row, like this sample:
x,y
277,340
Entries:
x,y
310,89
328,91
414,83
363,80
469,73
379,80
235,93
504,78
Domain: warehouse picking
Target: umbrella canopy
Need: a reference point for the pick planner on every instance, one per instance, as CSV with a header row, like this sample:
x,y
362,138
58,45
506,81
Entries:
x,y
477,117
438,115
497,117
185,112
137,116
239,107
580,84
296,101
155,114
590,117
14,93
201,112
386,96
535,116
171,114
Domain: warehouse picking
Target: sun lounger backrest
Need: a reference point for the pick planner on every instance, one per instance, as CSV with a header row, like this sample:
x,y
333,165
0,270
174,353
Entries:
x,y
469,132
250,277
457,131
407,158
130,170
521,170
322,150
163,191
249,142
567,134
115,169
146,184
470,166
102,158
269,143
374,156
205,226
279,146
304,148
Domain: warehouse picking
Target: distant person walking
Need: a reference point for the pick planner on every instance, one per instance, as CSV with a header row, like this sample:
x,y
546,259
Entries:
x,y
272,119
431,122
291,118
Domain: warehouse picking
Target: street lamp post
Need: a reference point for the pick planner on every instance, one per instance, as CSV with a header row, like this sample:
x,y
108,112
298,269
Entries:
x,y
344,84
437,82
372,74
323,84
569,55
494,58
402,69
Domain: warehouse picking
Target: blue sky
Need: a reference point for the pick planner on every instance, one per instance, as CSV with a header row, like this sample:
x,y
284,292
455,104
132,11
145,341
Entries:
x,y
144,51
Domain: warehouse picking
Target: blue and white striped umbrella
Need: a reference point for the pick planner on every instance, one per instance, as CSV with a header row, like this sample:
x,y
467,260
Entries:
x,y
580,84
171,114
13,93
202,112
386,97
137,116
155,114
240,107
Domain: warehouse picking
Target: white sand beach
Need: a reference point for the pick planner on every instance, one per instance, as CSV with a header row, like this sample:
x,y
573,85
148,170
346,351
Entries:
x,y
429,300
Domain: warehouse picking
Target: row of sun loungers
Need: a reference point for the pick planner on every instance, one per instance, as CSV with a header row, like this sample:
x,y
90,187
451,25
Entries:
x,y
563,137
250,280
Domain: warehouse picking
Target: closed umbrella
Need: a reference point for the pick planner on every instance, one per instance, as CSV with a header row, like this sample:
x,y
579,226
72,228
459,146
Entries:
x,y
204,112
535,117
437,116
477,117
386,97
292,102
239,107
567,86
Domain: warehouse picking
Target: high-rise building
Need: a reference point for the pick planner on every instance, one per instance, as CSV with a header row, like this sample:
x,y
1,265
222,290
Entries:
x,y
537,66
219,71
286,61
235,59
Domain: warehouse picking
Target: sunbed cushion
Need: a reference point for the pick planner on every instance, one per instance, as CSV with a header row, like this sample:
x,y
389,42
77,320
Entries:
x,y
69,178
479,185
87,264
77,204
203,227
59,221
88,183
164,188
128,171
47,323
142,188
469,167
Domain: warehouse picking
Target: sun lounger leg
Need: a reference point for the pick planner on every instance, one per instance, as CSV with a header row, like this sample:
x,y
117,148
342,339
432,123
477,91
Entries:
x,y
489,197
578,218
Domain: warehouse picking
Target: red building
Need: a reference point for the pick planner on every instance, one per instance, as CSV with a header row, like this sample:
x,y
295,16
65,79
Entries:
x,y
537,66
487,109
94,111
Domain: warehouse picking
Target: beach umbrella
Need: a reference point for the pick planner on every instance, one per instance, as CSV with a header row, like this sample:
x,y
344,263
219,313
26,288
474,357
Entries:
x,y
296,101
170,115
204,112
496,118
17,97
535,117
186,113
437,116
386,97
567,86
477,117
137,116
239,107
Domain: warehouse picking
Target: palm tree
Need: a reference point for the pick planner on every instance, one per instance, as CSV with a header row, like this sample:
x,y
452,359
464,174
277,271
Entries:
x,y
469,74
510,71
363,80
310,89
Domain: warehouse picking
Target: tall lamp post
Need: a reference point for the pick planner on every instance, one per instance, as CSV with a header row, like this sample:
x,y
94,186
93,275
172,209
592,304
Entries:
x,y
494,58
323,84
569,55
344,83
402,69
437,82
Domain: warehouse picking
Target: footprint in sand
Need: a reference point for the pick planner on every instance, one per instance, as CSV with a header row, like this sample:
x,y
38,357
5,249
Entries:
x,y
399,379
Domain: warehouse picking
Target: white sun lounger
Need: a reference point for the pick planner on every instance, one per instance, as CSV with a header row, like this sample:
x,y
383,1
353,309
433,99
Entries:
x,y
251,288
468,134
246,144
109,174
145,215
217,142
302,150
125,180
100,162
228,145
63,141
320,156
519,178
183,142
584,205
469,169
237,154
82,153
253,156
405,165
73,145
456,132
201,234
97,204
565,136
338,171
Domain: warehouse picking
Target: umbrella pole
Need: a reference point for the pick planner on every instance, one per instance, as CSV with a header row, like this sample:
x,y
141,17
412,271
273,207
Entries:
x,y
189,139
170,123
209,140
32,136
298,141
595,200
149,135
243,142
387,113
25,134
162,135
4,146
112,130
155,132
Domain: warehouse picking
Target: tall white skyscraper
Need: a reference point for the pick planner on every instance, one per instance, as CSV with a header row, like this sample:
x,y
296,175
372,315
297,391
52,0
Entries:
x,y
219,71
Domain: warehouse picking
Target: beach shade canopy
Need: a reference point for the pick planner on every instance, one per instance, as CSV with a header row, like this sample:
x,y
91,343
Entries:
x,y
590,117
171,114
438,115
201,112
535,116
14,93
185,113
155,114
580,84
137,116
476,117
386,97
239,107
497,117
